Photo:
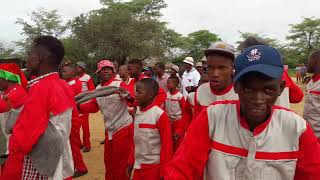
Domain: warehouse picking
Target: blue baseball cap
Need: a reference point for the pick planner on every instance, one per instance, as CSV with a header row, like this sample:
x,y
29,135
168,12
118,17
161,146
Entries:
x,y
260,58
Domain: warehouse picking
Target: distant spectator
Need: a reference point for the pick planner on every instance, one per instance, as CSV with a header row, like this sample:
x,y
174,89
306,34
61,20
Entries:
x,y
303,71
199,67
190,77
161,75
298,73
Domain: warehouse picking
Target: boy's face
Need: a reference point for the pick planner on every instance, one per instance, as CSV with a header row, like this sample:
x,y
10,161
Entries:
x,y
220,71
257,94
79,70
142,96
67,72
171,84
123,71
3,84
134,70
312,63
33,62
158,70
105,74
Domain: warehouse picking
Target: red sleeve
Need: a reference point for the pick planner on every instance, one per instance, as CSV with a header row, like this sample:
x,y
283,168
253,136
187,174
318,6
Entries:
x,y
4,107
89,107
187,115
308,164
197,107
131,157
295,93
182,123
191,157
91,85
164,127
161,98
30,125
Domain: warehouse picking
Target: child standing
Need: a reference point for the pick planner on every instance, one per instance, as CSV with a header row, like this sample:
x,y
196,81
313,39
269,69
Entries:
x,y
152,134
175,105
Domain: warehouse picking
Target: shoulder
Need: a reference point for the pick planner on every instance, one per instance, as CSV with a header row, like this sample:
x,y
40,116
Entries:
x,y
289,118
220,105
85,77
204,86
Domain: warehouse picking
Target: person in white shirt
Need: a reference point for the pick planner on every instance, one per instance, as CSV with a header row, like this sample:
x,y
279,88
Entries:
x,y
190,77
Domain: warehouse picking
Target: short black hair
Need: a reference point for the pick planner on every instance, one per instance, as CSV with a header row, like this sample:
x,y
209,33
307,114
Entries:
x,y
251,41
52,45
136,61
160,65
175,78
315,54
151,86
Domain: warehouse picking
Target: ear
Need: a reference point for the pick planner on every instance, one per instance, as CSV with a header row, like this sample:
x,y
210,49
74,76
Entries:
x,y
282,86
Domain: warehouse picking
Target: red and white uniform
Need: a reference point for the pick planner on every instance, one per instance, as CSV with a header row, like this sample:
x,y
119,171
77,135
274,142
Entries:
x,y
175,107
160,98
75,139
219,145
43,104
204,96
291,93
119,130
87,85
152,143
189,109
311,111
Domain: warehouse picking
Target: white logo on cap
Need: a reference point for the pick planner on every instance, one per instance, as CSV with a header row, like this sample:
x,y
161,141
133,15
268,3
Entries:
x,y
254,55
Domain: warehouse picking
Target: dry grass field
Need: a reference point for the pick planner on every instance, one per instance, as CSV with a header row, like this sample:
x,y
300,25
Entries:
x,y
94,159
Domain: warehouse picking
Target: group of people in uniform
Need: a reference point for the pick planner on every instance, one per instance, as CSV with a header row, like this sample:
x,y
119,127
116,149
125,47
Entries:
x,y
228,118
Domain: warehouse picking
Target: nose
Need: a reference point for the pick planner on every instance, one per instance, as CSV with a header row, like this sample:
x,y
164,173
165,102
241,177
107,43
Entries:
x,y
258,97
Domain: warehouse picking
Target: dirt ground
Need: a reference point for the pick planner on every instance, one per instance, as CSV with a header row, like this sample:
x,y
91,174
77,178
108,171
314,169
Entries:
x,y
94,159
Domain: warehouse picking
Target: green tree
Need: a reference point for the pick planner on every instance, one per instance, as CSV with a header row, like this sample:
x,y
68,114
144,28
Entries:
x,y
123,30
40,22
196,42
303,38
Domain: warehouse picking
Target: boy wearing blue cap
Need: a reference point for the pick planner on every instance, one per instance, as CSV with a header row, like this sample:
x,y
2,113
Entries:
x,y
249,138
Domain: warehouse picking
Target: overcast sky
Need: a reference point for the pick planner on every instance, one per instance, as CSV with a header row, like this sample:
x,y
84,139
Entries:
x,y
223,17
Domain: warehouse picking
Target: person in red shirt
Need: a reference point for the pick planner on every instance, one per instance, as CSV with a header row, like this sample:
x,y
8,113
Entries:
x,y
69,75
117,121
152,134
39,146
87,85
175,108
249,138
220,58
292,93
135,71
13,86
